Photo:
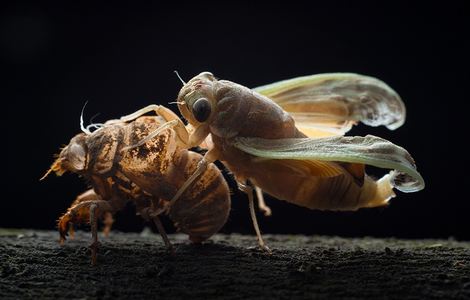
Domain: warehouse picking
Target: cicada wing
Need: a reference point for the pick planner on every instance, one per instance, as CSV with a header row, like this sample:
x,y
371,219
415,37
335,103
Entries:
x,y
329,104
368,150
328,173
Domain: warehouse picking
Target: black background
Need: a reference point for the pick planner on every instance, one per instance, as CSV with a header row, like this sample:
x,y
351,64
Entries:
x,y
122,58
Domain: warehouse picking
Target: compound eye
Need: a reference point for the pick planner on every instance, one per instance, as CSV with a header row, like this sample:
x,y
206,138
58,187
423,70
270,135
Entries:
x,y
201,109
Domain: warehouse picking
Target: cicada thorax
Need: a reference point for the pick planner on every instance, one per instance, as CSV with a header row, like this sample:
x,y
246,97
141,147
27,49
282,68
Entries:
x,y
244,113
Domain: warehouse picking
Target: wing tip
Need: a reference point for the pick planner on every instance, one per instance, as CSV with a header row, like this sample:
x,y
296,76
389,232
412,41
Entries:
x,y
407,183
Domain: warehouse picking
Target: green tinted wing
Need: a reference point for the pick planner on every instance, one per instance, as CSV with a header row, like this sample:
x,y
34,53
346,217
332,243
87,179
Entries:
x,y
369,150
329,104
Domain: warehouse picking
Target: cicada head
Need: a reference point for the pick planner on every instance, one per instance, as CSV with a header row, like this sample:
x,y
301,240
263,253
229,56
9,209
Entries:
x,y
222,107
196,100
72,158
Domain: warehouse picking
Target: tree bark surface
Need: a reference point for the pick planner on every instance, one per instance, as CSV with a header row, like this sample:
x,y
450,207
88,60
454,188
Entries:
x,y
134,266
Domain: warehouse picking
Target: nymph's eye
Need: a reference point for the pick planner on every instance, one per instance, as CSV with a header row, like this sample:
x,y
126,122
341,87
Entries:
x,y
201,109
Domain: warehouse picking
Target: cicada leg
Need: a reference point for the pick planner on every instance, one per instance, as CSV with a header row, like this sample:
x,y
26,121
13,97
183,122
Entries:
x,y
167,115
85,196
249,191
162,232
81,213
141,112
160,129
152,213
266,210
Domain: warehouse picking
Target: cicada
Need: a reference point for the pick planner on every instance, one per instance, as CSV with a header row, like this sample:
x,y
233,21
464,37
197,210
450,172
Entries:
x,y
121,170
287,139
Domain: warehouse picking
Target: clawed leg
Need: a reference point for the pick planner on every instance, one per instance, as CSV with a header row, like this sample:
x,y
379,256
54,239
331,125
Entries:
x,y
83,197
83,212
140,112
249,191
261,204
162,232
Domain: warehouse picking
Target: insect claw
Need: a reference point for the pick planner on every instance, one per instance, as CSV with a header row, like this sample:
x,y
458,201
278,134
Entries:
x,y
266,211
64,223
266,249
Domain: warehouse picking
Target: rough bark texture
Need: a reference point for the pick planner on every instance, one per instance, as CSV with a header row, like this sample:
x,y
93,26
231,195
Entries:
x,y
130,265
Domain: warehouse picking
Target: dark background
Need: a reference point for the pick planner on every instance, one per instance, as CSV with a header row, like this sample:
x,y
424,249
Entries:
x,y
55,57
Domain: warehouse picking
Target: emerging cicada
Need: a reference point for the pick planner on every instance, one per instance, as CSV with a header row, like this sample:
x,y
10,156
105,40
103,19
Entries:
x,y
287,139
148,174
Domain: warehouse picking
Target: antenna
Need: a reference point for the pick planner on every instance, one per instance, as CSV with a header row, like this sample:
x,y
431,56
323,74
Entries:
x,y
179,77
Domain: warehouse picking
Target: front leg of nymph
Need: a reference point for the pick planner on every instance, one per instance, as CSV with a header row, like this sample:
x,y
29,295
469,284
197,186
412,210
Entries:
x,y
183,139
83,212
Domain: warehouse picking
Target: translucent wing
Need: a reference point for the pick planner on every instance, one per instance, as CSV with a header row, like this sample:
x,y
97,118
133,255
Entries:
x,y
329,104
369,150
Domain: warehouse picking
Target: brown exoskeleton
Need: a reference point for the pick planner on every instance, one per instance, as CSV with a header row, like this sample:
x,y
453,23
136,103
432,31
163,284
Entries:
x,y
148,174
287,139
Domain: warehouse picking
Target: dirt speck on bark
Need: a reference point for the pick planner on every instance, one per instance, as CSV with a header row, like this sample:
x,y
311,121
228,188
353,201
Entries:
x,y
130,265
